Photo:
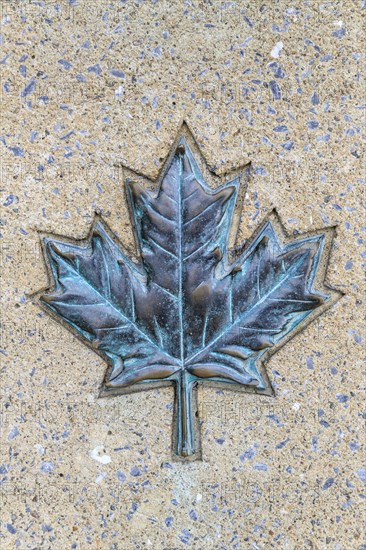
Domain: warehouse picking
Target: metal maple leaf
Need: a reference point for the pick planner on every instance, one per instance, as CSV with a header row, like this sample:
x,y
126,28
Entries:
x,y
184,312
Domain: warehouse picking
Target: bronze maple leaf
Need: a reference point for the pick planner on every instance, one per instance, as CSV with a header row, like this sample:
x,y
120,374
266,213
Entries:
x,y
187,310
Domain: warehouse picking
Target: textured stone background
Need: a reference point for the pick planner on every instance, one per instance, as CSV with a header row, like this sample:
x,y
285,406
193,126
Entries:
x,y
86,85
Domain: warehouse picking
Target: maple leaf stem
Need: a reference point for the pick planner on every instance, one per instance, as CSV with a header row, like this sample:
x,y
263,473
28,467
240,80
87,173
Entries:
x,y
184,418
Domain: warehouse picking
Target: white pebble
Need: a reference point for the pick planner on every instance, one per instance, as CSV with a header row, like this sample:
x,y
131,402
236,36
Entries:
x,y
103,459
276,52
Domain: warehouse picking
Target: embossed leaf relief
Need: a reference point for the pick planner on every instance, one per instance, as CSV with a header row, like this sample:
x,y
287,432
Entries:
x,y
185,311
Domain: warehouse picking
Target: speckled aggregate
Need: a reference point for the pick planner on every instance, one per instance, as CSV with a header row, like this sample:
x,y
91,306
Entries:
x,y
89,86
